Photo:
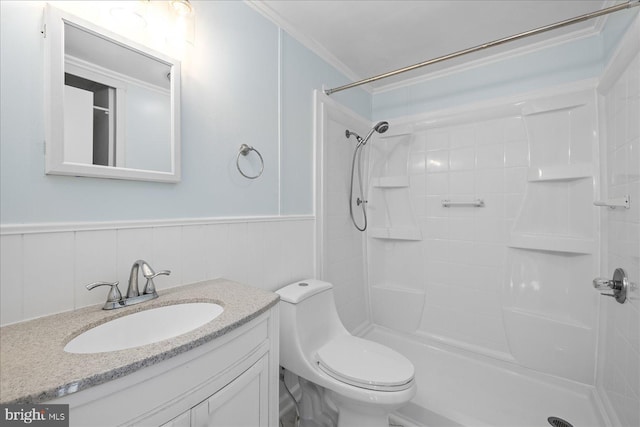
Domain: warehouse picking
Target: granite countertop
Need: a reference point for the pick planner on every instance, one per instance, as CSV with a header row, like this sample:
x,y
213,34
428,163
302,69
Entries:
x,y
34,367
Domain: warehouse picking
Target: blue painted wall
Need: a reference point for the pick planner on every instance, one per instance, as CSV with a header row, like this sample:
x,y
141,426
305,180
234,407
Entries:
x,y
243,79
302,73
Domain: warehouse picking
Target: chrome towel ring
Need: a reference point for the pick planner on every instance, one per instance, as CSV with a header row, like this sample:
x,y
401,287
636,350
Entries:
x,y
244,150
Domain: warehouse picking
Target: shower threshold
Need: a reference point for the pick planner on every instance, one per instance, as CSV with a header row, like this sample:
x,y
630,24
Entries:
x,y
457,388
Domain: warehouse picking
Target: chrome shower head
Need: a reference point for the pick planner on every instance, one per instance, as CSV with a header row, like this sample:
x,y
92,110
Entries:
x,y
381,127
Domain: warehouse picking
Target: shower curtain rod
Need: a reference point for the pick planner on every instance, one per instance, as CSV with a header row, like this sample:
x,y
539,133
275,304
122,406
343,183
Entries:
x,y
627,5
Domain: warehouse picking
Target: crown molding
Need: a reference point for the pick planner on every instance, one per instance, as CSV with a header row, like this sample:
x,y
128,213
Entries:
x,y
264,9
594,30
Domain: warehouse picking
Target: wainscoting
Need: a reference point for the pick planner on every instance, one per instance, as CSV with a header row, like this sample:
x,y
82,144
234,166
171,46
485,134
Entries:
x,y
45,267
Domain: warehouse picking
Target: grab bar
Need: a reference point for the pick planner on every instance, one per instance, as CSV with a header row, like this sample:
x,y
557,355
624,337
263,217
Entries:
x,y
479,203
620,202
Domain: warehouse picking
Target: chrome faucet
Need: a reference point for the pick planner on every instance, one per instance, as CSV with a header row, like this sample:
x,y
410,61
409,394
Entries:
x,y
148,273
115,298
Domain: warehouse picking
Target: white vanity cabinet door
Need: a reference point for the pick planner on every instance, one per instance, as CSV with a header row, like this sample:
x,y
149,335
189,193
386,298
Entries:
x,y
230,381
242,403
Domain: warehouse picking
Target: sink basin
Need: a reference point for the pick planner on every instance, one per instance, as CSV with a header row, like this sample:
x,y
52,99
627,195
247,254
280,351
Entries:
x,y
144,327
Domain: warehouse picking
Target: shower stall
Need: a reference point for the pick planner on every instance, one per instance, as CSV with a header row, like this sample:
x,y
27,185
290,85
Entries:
x,y
481,245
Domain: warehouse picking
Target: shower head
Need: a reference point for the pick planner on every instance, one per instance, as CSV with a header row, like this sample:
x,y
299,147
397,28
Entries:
x,y
381,127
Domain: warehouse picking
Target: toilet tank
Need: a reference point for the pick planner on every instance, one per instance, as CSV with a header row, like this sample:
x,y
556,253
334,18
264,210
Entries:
x,y
308,320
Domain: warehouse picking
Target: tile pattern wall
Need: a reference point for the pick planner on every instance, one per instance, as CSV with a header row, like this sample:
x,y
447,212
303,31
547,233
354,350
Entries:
x,y
45,273
461,259
465,247
620,365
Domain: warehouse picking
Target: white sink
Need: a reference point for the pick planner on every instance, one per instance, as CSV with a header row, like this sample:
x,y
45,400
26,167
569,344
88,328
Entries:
x,y
144,327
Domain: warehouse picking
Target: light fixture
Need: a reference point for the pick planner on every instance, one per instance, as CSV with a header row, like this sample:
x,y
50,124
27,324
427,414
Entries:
x,y
128,16
181,7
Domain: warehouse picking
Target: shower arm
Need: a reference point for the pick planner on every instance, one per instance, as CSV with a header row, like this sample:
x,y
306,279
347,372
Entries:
x,y
627,5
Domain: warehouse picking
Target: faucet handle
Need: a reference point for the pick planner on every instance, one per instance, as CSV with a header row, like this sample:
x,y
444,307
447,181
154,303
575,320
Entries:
x,y
114,293
150,287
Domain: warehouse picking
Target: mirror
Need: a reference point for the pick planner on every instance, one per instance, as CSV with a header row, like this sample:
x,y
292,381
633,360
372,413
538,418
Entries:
x,y
112,104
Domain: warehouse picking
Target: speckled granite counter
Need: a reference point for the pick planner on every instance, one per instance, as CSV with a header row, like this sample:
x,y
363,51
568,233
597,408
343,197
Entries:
x,y
34,367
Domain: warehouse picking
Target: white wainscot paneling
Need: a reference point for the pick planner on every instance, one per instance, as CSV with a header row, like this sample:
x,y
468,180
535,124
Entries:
x,y
48,273
11,300
237,267
196,256
133,244
167,244
44,271
95,260
297,243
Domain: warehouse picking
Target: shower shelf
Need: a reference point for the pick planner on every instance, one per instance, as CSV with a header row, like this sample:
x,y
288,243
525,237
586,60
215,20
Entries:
x,y
391,181
560,172
395,233
552,243
395,135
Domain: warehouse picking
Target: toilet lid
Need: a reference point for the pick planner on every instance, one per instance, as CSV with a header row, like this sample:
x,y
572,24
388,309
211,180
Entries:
x,y
365,364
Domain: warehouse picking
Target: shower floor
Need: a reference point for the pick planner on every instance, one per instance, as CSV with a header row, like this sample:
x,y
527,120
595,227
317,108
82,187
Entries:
x,y
457,388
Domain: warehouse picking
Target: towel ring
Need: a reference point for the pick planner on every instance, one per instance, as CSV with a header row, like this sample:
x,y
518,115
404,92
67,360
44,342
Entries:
x,y
244,150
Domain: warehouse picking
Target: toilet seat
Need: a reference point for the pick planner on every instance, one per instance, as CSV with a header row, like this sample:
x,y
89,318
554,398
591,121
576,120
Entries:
x,y
365,364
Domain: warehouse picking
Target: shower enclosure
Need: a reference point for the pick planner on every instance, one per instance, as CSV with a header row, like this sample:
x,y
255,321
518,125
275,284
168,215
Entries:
x,y
481,246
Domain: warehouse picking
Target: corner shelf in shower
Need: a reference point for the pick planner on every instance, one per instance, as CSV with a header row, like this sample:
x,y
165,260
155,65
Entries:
x,y
560,172
397,181
395,233
552,243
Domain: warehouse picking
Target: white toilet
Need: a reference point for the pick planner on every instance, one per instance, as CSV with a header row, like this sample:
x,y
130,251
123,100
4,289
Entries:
x,y
364,380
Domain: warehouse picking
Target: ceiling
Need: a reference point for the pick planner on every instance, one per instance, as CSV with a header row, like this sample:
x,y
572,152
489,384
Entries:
x,y
363,38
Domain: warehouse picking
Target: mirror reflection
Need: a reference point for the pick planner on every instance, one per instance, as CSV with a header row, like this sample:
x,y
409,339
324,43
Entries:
x,y
112,104
117,104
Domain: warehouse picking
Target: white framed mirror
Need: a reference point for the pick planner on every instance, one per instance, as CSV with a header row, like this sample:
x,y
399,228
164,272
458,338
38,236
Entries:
x,y
112,106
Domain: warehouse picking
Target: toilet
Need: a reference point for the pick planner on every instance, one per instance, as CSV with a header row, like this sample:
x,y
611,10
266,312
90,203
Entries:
x,y
364,380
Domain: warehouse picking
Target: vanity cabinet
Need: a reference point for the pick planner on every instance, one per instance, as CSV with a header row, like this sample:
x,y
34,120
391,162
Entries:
x,y
243,402
229,381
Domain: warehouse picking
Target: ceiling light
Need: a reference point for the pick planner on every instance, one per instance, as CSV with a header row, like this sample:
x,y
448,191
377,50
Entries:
x,y
181,7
